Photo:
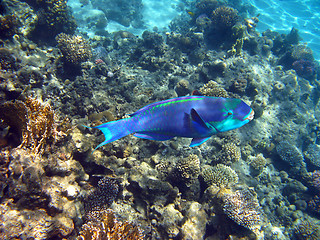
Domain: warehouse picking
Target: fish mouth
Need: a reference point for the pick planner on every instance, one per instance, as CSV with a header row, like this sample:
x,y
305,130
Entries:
x,y
251,115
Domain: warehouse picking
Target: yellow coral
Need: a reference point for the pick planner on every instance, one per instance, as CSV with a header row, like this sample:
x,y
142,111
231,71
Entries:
x,y
30,119
104,225
213,89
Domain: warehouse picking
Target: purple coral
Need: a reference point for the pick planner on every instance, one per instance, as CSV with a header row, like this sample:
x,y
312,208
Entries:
x,y
304,68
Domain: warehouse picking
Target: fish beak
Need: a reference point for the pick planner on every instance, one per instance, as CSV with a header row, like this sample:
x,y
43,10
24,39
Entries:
x,y
251,115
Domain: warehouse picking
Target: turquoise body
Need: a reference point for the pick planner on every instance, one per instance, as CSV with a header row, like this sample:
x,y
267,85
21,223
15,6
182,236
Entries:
x,y
196,117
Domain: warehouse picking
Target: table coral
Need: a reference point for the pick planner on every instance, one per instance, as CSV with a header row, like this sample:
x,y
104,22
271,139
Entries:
x,y
243,208
105,225
75,49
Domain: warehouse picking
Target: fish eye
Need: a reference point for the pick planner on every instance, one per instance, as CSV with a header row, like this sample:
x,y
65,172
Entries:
x,y
230,113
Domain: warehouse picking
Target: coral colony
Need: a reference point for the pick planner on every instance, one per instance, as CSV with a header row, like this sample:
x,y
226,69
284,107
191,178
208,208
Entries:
x,y
209,127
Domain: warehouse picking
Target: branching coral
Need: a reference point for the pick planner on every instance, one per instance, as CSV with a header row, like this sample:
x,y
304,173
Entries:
x,y
31,120
243,208
230,153
105,225
102,196
188,168
225,17
213,89
75,49
220,175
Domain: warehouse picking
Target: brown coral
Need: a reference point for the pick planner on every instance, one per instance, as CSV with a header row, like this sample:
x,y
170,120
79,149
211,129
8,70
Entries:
x,y
105,225
75,49
243,208
213,89
31,120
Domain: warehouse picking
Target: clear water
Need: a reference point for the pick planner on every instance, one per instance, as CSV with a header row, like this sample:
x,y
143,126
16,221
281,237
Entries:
x,y
276,15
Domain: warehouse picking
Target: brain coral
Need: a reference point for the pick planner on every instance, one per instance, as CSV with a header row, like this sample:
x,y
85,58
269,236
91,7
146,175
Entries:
x,y
75,49
243,208
220,175
213,89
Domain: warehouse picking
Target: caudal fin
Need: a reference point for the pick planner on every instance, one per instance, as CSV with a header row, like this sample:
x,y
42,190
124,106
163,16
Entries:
x,y
113,131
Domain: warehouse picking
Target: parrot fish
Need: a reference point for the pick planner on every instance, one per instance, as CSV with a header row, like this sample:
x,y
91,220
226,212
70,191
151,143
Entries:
x,y
196,117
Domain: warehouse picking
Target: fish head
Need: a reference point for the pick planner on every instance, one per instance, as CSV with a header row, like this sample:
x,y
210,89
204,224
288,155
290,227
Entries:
x,y
234,113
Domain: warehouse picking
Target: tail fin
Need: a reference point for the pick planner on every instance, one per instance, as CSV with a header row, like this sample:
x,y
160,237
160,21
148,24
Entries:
x,y
112,131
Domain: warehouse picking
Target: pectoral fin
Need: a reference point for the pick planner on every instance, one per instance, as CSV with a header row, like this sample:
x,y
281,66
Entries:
x,y
196,117
198,141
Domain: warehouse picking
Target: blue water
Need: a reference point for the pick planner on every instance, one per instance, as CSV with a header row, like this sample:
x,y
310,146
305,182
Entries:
x,y
276,15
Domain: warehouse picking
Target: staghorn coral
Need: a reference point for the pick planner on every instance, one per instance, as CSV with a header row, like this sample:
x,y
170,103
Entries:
x,y
188,168
105,225
32,121
307,231
220,175
230,153
242,207
213,89
102,196
225,17
75,49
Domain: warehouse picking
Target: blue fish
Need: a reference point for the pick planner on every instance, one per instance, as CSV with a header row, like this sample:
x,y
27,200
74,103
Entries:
x,y
196,117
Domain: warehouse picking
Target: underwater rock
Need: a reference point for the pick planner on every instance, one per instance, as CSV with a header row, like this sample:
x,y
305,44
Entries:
x,y
194,227
243,208
171,220
182,88
220,175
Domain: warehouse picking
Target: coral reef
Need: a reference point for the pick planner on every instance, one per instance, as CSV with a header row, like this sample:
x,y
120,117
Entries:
x,y
313,154
224,18
105,225
32,121
188,169
243,207
291,155
75,49
213,89
307,231
102,197
54,18
230,153
220,175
